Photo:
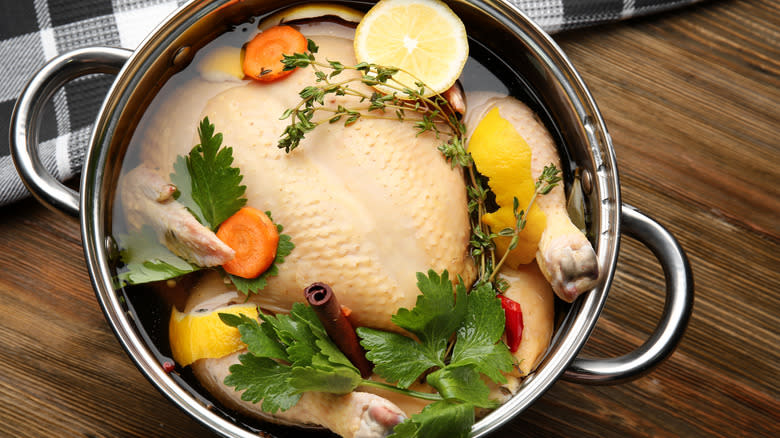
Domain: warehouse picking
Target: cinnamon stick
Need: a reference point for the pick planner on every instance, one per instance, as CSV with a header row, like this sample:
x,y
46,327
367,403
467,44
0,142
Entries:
x,y
322,299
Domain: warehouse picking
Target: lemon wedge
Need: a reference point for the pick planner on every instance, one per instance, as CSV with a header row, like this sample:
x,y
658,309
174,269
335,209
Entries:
x,y
503,156
197,335
422,37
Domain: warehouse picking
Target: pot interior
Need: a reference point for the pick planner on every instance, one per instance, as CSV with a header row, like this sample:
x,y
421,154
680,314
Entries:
x,y
502,41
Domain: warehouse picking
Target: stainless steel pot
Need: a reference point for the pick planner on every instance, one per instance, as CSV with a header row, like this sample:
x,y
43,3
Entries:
x,y
504,31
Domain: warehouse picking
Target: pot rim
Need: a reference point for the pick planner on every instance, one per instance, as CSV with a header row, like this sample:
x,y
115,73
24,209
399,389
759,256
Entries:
x,y
580,320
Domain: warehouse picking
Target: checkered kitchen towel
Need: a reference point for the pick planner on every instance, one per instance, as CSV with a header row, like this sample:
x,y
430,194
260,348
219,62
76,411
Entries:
x,y
34,31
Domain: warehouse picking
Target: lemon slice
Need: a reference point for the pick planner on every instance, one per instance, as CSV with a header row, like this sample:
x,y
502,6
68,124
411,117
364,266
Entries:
x,y
309,11
197,335
504,157
421,37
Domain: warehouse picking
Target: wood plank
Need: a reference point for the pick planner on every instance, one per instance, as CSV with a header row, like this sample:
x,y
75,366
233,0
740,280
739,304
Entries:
x,y
64,372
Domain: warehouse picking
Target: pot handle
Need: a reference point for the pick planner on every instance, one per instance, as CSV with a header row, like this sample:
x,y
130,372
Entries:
x,y
25,120
677,309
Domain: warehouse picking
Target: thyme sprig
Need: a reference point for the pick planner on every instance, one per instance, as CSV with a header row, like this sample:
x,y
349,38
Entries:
x,y
406,103
434,113
549,178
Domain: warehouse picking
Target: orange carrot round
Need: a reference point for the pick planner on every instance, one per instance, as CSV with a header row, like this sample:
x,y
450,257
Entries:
x,y
263,56
254,238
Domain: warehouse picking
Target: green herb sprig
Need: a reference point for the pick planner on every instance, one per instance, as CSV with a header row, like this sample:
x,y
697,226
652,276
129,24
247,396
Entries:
x,y
291,354
208,183
209,186
434,113
548,179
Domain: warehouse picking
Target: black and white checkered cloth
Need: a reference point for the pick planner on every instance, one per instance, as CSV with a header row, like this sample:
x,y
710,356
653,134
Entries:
x,y
35,31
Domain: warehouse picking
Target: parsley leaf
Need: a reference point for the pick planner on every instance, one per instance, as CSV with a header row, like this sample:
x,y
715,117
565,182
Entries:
x,y
475,321
436,315
313,361
461,383
337,380
255,285
214,192
183,181
328,370
259,338
263,379
397,358
299,342
152,270
479,335
147,259
444,313
441,419
327,354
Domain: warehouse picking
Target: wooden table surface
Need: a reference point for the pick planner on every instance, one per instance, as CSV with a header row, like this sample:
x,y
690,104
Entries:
x,y
692,101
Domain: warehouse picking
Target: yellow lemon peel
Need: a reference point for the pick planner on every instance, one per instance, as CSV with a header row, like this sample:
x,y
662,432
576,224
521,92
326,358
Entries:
x,y
196,336
503,156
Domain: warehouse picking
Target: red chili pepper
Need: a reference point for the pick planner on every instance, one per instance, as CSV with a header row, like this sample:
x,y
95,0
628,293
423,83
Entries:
x,y
514,323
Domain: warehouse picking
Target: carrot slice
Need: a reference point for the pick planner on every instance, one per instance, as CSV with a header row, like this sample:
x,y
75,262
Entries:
x,y
263,56
254,238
